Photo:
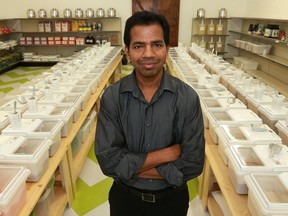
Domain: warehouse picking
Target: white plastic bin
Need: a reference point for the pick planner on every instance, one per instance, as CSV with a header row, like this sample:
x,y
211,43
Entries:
x,y
267,194
47,128
60,111
245,63
230,117
244,135
282,129
12,189
271,116
31,153
261,49
244,159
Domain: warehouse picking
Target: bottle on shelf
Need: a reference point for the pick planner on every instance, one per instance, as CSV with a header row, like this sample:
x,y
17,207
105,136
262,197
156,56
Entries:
x,y
219,28
202,28
219,47
202,43
211,28
98,40
211,44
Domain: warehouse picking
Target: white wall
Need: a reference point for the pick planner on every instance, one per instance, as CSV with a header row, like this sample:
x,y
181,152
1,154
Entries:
x,y
274,9
188,9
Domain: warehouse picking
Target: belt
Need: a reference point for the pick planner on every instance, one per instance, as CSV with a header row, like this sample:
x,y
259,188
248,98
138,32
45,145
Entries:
x,y
149,196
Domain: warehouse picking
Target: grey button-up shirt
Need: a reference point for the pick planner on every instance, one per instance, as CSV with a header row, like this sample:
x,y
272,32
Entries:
x,y
128,128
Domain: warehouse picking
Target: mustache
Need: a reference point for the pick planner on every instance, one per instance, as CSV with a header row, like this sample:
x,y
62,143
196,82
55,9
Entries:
x,y
149,61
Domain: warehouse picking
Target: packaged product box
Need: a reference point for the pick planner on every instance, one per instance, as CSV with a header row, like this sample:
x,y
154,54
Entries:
x,y
58,26
38,42
64,42
65,25
29,40
70,42
80,41
41,27
22,40
74,25
43,40
48,26
50,38
51,42
65,38
58,42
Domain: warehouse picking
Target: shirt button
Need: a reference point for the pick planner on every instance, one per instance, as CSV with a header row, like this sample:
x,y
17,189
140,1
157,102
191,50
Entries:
x,y
148,144
147,125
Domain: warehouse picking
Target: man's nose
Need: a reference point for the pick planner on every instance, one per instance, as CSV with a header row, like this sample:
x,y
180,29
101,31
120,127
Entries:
x,y
148,51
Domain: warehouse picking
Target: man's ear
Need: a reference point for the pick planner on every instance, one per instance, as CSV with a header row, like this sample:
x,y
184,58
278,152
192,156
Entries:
x,y
126,49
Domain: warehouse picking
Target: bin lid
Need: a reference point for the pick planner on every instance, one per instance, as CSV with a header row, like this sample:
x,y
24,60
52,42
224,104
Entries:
x,y
258,157
274,115
234,116
247,134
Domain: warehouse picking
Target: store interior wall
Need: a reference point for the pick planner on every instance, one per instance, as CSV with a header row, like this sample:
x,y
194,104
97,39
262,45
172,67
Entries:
x,y
188,9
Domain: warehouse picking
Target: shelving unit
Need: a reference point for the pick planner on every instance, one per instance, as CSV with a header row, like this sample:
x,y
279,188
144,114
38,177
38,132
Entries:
x,y
29,28
272,58
63,162
198,32
215,177
8,56
273,67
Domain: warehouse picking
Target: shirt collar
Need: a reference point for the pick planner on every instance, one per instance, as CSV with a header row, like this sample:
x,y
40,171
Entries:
x,y
129,84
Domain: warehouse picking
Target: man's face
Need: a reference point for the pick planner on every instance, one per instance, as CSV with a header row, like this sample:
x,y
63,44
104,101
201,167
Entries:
x,y
147,50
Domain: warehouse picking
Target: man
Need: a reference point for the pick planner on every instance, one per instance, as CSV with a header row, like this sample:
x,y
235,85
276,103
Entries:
x,y
150,136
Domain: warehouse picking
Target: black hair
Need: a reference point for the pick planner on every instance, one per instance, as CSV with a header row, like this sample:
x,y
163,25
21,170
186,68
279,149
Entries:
x,y
146,18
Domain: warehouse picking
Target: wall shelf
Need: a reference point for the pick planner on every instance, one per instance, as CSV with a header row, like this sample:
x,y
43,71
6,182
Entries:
x,y
260,37
25,28
274,65
275,59
200,32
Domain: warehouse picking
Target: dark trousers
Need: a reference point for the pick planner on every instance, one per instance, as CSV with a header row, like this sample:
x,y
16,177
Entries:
x,y
123,202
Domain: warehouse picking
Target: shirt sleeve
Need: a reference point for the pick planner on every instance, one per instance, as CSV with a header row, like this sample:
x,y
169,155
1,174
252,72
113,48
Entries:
x,y
114,158
191,137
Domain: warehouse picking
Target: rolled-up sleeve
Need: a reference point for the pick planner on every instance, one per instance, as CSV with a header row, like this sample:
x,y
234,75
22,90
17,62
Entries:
x,y
111,151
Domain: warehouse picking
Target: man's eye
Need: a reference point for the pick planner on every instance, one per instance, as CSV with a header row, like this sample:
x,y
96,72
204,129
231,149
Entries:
x,y
158,45
137,46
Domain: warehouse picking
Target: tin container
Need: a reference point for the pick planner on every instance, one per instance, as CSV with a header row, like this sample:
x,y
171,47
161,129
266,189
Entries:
x,y
201,13
67,13
31,13
89,13
79,13
222,13
111,12
54,13
42,13
100,12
